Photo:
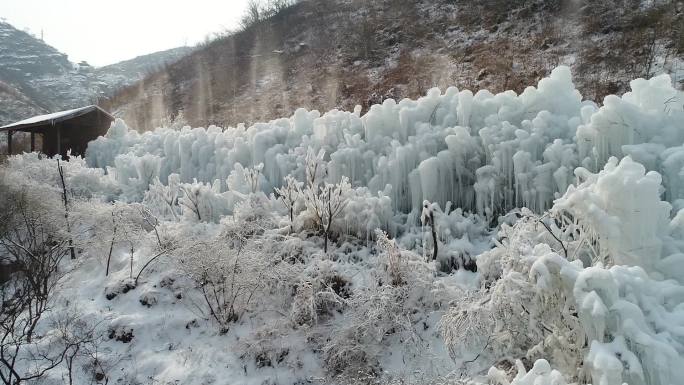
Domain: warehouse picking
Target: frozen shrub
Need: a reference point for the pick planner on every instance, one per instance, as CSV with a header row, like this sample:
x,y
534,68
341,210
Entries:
x,y
254,213
228,275
371,314
202,202
269,347
587,321
163,199
396,266
329,286
524,311
303,311
325,203
115,227
382,314
541,373
235,272
288,195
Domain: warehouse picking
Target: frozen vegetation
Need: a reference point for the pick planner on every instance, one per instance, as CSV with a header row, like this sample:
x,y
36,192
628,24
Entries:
x,y
460,238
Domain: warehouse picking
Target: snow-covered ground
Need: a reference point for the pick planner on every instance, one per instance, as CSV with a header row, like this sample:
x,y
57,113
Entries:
x,y
302,250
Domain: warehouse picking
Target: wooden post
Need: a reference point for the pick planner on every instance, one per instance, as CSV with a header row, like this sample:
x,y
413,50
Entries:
x,y
33,141
9,142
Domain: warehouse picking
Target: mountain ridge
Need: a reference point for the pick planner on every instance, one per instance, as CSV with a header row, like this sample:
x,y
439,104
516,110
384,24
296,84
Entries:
x,y
36,78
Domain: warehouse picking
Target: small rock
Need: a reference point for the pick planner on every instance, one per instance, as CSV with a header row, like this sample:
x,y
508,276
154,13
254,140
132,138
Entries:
x,y
121,334
148,299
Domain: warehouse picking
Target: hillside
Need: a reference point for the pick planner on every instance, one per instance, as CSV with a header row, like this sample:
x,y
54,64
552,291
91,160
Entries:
x,y
36,78
328,54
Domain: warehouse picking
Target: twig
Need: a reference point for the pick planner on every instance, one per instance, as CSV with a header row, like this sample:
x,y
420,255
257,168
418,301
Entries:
x,y
565,250
480,353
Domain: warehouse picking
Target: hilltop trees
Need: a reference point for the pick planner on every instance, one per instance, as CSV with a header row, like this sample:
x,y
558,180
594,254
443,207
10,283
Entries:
x,y
259,10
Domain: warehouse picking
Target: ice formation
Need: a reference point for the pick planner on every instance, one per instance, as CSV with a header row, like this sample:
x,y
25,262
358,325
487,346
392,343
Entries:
x,y
624,320
484,153
612,204
437,148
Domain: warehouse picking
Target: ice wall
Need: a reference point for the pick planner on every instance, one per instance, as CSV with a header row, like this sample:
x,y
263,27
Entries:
x,y
483,152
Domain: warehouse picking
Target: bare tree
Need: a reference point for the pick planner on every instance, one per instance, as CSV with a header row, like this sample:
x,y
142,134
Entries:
x,y
78,338
111,244
288,196
33,242
326,203
253,13
119,225
277,6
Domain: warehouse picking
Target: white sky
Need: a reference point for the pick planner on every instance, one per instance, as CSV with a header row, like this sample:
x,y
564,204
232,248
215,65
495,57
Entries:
x,y
106,32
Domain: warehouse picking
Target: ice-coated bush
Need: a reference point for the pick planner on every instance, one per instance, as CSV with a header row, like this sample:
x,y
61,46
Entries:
x,y
81,180
396,264
390,307
541,373
620,209
535,279
233,272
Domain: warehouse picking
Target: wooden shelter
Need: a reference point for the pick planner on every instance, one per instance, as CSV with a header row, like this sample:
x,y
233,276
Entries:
x,y
63,131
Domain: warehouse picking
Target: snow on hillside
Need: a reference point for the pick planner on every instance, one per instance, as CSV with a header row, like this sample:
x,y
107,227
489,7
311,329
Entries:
x,y
459,238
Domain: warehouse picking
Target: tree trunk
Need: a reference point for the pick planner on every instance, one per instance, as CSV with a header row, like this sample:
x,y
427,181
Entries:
x,y
111,248
291,219
327,228
131,273
434,237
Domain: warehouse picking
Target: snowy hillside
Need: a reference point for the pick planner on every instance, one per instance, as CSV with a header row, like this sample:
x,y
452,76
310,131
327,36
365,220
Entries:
x,y
326,54
459,238
36,78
